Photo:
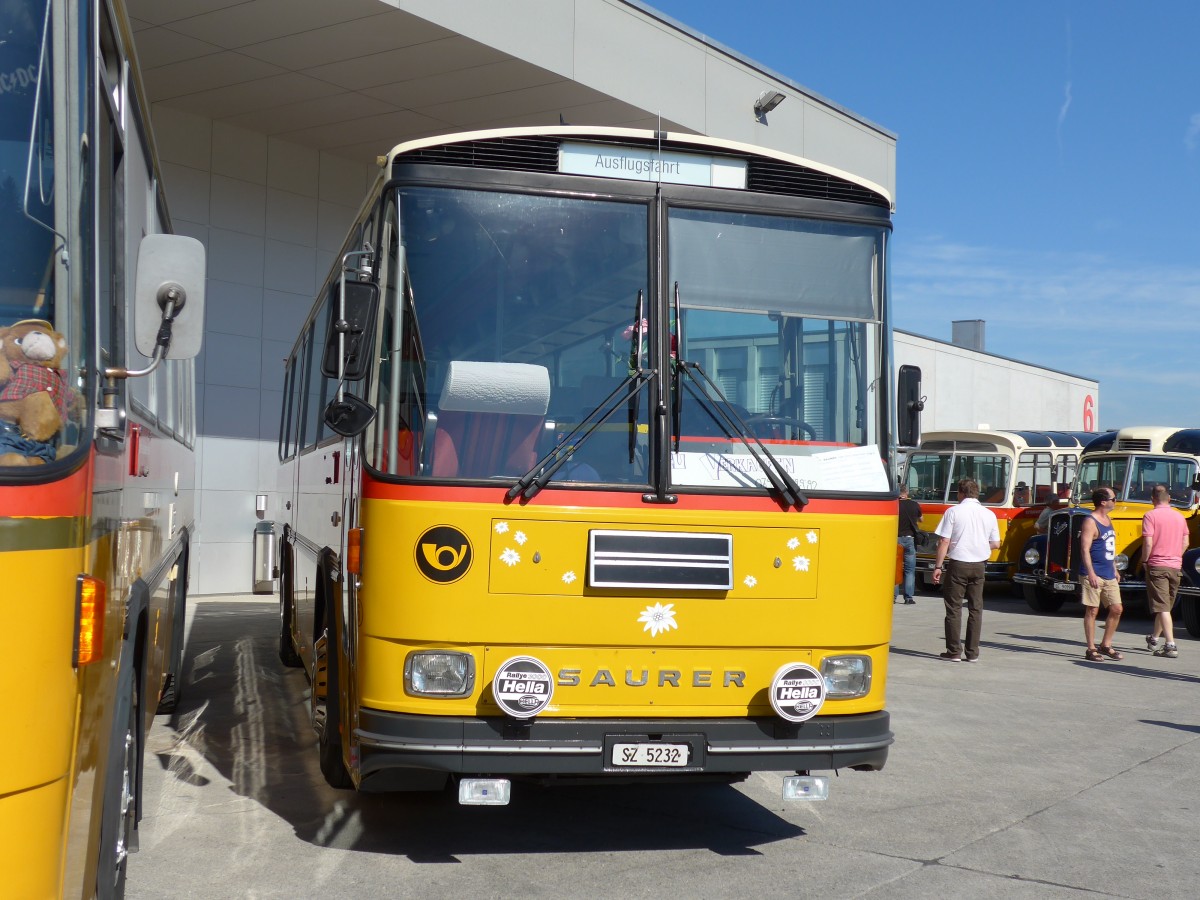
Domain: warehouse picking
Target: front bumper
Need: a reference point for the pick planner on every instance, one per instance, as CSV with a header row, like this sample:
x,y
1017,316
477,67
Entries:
x,y
546,746
1072,588
992,571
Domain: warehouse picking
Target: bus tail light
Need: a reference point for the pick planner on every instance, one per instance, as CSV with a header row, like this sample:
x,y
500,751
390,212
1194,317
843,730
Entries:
x,y
439,673
354,551
89,621
846,676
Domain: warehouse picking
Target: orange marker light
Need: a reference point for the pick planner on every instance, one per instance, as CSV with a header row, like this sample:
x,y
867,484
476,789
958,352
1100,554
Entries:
x,y
89,621
354,551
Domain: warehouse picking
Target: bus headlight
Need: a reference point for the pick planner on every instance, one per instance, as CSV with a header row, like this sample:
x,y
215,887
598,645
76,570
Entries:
x,y
846,676
439,673
1121,561
1032,556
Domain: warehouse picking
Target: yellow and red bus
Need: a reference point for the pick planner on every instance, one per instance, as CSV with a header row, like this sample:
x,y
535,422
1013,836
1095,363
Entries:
x,y
585,442
1019,474
101,311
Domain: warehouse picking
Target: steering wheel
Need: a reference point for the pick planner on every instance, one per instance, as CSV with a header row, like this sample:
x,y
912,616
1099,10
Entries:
x,y
782,422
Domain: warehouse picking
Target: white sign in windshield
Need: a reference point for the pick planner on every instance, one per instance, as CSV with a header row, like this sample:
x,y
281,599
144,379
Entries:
x,y
858,469
637,164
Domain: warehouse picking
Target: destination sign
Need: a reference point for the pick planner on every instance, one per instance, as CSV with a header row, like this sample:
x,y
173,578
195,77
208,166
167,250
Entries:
x,y
642,164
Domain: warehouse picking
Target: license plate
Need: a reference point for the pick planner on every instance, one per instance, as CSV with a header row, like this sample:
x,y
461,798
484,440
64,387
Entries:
x,y
1063,586
650,755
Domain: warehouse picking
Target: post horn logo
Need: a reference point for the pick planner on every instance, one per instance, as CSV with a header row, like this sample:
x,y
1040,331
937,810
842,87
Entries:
x,y
443,554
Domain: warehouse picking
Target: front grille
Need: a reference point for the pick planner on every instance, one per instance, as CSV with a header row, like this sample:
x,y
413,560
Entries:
x,y
659,560
1062,543
540,154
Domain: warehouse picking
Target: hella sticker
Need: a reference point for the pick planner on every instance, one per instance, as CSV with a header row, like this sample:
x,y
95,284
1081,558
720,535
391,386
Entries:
x,y
523,687
797,692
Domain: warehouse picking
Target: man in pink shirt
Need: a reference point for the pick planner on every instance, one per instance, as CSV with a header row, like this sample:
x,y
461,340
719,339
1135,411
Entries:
x,y
1164,539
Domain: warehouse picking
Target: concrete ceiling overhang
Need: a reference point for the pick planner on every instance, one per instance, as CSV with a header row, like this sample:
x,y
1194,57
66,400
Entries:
x,y
349,77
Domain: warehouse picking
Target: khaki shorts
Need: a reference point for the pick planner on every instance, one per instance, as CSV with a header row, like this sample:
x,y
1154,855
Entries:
x,y
1108,594
1162,584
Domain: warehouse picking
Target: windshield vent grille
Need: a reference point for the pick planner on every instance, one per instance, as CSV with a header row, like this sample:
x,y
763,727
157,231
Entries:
x,y
658,560
524,154
540,154
1134,444
771,176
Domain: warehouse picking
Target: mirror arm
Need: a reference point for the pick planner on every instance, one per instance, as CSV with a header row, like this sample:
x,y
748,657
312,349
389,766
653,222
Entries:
x,y
171,297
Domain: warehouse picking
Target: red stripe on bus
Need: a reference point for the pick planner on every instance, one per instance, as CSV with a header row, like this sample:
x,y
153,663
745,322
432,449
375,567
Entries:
x,y
1002,512
69,496
374,489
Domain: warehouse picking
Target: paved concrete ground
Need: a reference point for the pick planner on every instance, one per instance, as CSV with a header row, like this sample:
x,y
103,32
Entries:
x,y
1033,773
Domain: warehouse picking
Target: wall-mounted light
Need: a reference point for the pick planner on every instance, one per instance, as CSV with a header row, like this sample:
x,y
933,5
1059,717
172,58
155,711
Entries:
x,y
767,101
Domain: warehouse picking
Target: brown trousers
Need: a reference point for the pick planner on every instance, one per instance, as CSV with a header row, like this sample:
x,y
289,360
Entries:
x,y
963,580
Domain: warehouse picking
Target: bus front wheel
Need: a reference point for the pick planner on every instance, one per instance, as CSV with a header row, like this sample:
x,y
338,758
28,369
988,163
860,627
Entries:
x,y
1041,600
1191,615
119,812
329,738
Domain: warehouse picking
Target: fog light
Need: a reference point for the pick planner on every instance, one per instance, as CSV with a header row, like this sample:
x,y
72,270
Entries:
x,y
1032,556
806,787
1121,561
439,673
846,676
487,791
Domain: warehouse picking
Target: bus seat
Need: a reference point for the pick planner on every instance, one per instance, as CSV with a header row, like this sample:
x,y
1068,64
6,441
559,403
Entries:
x,y
490,417
1041,494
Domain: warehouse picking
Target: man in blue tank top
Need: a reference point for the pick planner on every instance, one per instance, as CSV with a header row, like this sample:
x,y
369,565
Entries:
x,y
1099,576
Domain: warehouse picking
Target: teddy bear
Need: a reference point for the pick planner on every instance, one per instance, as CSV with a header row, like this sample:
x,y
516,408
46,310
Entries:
x,y
35,400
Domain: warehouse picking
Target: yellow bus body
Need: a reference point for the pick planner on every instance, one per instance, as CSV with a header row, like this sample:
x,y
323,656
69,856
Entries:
x,y
593,637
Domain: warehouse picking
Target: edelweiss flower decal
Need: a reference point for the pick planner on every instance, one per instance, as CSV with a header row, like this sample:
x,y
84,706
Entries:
x,y
793,543
800,563
750,581
811,537
501,528
568,578
658,618
510,557
520,538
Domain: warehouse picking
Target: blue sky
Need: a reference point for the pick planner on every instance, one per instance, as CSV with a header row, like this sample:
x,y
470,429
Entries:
x,y
1048,171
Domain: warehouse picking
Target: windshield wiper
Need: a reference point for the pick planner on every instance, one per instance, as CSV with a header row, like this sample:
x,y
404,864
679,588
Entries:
x,y
543,470
779,477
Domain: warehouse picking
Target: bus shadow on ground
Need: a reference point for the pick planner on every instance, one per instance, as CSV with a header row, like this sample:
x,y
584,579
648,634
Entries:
x,y
246,716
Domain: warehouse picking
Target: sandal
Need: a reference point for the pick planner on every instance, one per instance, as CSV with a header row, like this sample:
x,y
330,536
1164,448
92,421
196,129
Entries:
x,y
1110,652
1093,656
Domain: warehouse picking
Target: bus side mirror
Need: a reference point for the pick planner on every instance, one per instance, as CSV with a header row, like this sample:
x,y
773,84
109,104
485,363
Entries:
x,y
349,416
910,403
169,296
357,328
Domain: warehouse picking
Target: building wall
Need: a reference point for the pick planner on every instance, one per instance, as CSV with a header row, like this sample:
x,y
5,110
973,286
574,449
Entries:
x,y
272,216
969,389
629,53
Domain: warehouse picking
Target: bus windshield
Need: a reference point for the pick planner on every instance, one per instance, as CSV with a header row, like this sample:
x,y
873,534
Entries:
x,y
1133,478
535,315
39,144
932,478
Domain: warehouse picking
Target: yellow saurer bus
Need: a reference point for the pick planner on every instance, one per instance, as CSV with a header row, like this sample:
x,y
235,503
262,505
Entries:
x,y
1019,474
101,312
585,440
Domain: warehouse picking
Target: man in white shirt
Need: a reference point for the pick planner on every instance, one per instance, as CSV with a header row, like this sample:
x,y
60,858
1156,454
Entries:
x,y
968,534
